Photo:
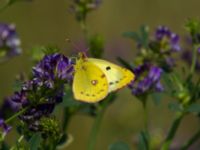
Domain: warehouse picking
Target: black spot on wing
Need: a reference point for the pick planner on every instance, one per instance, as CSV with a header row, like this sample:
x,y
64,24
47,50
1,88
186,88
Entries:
x,y
111,83
103,76
108,68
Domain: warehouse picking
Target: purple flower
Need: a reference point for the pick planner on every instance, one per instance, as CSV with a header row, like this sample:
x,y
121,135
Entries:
x,y
8,107
44,90
147,80
6,128
169,41
51,68
9,41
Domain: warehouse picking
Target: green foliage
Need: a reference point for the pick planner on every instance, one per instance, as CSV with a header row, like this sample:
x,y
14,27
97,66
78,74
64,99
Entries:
x,y
17,85
65,140
194,108
35,141
157,98
143,140
125,63
193,27
119,145
175,106
96,46
141,37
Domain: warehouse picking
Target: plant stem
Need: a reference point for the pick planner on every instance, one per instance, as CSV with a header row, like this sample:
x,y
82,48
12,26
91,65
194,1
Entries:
x,y
145,116
194,59
5,5
95,129
84,29
172,131
191,141
16,115
66,118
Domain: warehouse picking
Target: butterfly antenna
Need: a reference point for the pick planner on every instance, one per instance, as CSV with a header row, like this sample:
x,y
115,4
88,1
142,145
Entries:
x,y
81,53
73,44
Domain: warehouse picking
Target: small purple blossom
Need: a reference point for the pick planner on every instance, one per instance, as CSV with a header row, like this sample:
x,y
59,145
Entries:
x,y
147,79
6,128
167,39
10,44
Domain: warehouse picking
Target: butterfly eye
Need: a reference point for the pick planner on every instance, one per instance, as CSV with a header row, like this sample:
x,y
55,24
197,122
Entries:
x,y
108,68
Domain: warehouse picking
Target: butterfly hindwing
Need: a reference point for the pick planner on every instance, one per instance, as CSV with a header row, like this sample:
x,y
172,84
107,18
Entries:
x,y
90,83
117,76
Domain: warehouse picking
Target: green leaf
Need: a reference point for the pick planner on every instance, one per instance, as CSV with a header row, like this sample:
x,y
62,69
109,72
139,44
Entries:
x,y
175,106
96,44
132,35
120,145
125,63
194,108
65,141
157,97
35,141
169,83
193,26
68,99
13,1
144,30
4,146
143,141
17,85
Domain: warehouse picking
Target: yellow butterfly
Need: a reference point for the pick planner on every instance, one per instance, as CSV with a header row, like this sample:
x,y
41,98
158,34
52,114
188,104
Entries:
x,y
95,78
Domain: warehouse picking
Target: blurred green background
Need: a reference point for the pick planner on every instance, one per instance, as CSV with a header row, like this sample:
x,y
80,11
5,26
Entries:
x,y
48,22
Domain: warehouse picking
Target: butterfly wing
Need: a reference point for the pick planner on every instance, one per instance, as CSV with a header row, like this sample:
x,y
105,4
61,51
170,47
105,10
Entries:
x,y
117,76
89,84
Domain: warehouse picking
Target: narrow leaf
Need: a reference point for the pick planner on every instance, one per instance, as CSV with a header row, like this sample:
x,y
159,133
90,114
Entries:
x,y
35,141
120,145
194,108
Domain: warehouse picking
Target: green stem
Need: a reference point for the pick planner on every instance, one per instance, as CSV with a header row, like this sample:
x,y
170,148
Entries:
x,y
172,131
95,129
194,59
145,115
66,118
16,115
84,29
5,5
191,141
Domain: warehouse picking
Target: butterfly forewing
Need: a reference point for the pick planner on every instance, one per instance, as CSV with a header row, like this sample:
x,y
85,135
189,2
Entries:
x,y
117,76
90,83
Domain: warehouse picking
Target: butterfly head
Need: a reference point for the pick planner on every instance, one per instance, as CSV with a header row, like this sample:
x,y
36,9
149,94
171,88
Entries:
x,y
80,60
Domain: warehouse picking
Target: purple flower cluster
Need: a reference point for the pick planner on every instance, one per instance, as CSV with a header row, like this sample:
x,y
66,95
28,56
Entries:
x,y
9,41
169,41
51,68
147,80
44,91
